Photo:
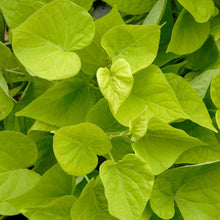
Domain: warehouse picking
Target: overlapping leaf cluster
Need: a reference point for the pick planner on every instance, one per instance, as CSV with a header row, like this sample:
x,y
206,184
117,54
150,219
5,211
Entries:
x,y
110,109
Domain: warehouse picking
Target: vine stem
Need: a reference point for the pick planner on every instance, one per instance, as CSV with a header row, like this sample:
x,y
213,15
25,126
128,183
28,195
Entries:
x,y
113,135
111,157
13,71
87,178
6,44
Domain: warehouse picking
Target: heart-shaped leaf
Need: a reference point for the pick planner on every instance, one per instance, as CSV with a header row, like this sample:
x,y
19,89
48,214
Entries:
x,y
127,200
116,83
50,56
76,147
137,44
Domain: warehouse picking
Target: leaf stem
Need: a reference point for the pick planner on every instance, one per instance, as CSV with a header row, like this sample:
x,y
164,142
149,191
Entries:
x,y
111,157
87,178
116,134
15,72
6,44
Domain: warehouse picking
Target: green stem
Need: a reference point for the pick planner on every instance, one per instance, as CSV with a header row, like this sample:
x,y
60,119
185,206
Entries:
x,y
117,134
15,72
212,110
6,44
87,178
94,87
111,157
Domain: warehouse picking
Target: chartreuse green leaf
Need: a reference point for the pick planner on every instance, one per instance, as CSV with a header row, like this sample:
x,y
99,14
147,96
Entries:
x,y
174,68
59,209
215,27
76,147
17,11
202,154
163,144
7,60
137,44
2,27
215,90
190,101
16,151
83,3
87,4
201,10
197,60
202,82
215,96
217,117
13,184
128,184
158,96
132,7
46,158
120,147
51,56
156,13
53,185
94,56
115,83
100,115
195,189
64,104
187,35
92,203
6,104
138,126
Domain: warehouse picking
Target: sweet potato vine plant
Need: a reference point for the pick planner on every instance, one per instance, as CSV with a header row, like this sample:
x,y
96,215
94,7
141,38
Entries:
x,y
110,109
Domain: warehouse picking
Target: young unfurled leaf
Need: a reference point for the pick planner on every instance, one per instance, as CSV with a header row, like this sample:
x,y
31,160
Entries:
x,y
127,200
115,83
138,126
201,10
187,35
136,44
76,147
51,56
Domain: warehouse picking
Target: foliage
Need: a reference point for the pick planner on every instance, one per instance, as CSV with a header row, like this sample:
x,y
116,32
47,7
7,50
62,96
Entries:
x,y
110,114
